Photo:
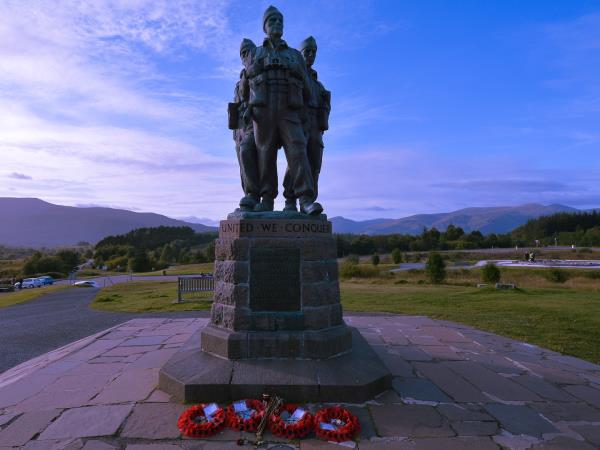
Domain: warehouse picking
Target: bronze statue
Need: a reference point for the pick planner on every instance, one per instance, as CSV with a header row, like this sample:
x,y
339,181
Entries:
x,y
318,108
279,103
243,132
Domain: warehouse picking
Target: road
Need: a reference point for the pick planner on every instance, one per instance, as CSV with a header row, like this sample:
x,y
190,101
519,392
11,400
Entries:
x,y
115,279
56,319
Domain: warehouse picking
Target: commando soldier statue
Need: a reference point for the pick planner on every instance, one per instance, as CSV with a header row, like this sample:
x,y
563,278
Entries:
x,y
279,86
318,107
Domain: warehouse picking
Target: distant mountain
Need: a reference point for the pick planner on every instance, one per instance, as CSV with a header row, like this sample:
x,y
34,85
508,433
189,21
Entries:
x,y
31,222
200,220
501,219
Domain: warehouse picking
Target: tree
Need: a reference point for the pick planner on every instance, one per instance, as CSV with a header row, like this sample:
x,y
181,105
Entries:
x,y
166,255
435,268
139,262
69,260
396,256
491,273
210,251
375,259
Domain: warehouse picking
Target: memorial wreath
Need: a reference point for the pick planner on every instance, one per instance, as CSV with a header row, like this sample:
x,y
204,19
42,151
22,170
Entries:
x,y
336,424
194,421
246,419
297,424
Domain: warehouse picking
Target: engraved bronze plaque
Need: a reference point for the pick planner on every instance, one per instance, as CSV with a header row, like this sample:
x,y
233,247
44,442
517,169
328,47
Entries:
x,y
275,279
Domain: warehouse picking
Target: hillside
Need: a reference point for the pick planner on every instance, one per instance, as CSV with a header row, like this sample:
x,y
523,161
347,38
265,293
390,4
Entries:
x,y
30,222
501,219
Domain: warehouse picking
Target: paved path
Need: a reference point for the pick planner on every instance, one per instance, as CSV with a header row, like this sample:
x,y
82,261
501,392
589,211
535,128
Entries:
x,y
454,387
53,320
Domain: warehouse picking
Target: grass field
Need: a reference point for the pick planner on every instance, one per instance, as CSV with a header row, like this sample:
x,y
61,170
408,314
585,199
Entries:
x,y
187,269
146,296
25,295
562,319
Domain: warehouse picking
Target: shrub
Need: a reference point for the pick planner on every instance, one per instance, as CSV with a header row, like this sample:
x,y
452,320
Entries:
x,y
557,276
592,274
352,259
375,259
396,256
490,273
350,270
435,268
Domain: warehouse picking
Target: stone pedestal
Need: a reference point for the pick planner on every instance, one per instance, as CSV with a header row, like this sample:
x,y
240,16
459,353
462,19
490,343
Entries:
x,y
276,321
276,290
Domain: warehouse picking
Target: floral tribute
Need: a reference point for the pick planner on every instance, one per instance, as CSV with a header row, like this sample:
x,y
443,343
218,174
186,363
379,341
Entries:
x,y
245,415
291,422
336,424
200,421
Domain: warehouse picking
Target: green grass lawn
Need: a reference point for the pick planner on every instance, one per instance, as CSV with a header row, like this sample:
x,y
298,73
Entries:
x,y
147,296
562,319
25,295
186,269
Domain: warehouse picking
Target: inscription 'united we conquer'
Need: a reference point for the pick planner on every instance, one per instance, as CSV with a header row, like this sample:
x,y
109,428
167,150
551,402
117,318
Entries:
x,y
274,227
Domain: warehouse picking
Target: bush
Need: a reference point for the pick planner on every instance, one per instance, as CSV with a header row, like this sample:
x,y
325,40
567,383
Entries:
x,y
375,259
396,256
352,259
435,268
490,273
592,274
557,276
350,270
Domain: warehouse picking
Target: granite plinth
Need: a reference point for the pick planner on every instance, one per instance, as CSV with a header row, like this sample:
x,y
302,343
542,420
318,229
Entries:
x,y
276,289
192,375
305,344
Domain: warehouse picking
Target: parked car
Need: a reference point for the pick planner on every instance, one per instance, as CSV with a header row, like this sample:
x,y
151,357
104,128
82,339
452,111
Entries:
x,y
46,280
86,283
30,283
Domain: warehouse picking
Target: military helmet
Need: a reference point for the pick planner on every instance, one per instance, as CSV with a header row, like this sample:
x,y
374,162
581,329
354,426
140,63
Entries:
x,y
246,44
271,10
309,42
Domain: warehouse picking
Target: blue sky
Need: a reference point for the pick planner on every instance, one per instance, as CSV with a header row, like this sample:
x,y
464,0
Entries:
x,y
436,105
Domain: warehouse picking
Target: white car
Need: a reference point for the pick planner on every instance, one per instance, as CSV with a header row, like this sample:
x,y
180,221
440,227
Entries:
x,y
29,283
86,283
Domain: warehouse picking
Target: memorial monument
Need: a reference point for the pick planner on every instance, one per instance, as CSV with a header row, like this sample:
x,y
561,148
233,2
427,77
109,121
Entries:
x,y
276,321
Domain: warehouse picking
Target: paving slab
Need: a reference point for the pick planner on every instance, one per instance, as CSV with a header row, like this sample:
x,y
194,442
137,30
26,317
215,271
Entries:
x,y
88,421
153,421
460,443
409,421
586,393
404,444
474,428
451,383
419,389
490,382
455,387
543,388
590,432
563,443
131,386
520,419
20,431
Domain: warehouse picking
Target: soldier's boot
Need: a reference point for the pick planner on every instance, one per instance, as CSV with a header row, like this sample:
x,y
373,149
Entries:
x,y
290,205
266,204
248,202
309,207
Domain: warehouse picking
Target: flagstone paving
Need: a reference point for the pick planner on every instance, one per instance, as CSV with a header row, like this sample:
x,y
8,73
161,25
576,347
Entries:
x,y
454,387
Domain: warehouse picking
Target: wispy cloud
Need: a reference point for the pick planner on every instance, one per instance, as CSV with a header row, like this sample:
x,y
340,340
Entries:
x,y
19,176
